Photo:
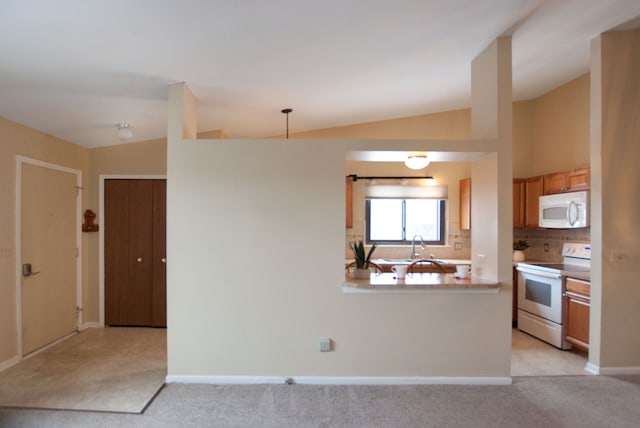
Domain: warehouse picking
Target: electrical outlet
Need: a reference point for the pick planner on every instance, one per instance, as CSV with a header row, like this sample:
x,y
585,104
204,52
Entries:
x,y
457,245
546,247
325,344
5,251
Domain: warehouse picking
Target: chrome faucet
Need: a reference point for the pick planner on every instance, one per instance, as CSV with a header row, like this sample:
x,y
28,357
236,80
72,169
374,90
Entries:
x,y
418,254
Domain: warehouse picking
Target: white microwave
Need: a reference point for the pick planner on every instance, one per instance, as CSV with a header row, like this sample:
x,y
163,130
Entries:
x,y
564,210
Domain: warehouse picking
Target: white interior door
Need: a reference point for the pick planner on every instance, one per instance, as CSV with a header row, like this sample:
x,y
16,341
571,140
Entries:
x,y
48,241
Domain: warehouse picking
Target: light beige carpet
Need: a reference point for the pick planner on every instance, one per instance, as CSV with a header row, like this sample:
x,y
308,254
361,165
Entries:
x,y
101,369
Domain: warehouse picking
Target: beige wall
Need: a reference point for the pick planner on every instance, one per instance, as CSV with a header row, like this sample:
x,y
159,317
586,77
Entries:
x,y
251,286
247,285
19,140
615,107
523,145
450,125
561,128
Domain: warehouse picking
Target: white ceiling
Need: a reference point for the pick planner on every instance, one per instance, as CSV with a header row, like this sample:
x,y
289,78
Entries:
x,y
75,68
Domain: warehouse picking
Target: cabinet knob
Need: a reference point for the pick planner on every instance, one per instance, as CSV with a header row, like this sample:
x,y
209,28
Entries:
x,y
139,259
163,260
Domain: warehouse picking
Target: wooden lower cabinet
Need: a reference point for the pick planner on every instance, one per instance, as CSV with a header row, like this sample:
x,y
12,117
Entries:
x,y
135,252
577,311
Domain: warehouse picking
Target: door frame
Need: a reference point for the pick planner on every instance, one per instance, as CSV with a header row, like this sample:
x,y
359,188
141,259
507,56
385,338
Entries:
x,y
20,161
101,180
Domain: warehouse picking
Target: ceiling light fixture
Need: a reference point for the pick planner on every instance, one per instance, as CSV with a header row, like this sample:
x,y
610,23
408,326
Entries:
x,y
417,161
124,133
287,111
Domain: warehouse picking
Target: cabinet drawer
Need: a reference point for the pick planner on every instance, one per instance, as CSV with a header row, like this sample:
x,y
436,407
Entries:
x,y
578,286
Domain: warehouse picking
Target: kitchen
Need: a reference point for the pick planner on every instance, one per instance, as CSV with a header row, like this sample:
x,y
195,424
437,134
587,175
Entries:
x,y
567,142
547,246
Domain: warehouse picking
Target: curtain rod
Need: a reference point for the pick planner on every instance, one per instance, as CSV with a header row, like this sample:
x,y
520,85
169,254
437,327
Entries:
x,y
355,177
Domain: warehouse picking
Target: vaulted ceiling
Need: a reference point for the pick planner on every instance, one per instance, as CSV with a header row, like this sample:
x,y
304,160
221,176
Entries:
x,y
75,68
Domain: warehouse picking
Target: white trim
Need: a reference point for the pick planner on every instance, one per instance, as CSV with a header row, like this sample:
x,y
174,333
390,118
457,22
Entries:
x,y
101,180
338,380
10,363
92,324
592,368
20,160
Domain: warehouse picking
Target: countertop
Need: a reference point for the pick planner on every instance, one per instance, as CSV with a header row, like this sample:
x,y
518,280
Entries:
x,y
418,283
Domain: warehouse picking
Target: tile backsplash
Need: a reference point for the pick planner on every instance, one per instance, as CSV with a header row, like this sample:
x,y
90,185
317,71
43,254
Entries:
x,y
537,239
449,251
554,238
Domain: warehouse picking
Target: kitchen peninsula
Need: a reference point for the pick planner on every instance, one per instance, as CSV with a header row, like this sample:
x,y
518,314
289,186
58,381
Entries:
x,y
419,283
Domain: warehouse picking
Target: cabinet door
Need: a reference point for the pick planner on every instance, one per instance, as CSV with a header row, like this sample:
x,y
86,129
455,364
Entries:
x,y
465,204
579,179
518,203
577,308
349,201
555,183
533,191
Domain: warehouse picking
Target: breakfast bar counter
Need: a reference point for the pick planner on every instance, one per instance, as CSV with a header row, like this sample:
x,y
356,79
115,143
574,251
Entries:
x,y
418,283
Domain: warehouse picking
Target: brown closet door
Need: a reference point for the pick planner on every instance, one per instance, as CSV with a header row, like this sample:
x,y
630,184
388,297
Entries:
x,y
159,265
128,252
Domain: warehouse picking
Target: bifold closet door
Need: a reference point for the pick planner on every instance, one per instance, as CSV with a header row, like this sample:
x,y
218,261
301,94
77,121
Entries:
x,y
159,263
134,252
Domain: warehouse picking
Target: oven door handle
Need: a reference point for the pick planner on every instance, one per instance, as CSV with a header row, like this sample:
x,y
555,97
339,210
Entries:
x,y
533,271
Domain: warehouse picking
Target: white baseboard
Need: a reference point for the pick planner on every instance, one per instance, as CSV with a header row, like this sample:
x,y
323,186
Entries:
x,y
10,362
225,380
91,324
592,368
338,380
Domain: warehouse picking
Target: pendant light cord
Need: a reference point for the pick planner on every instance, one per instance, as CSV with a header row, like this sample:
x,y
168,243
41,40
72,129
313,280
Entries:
x,y
287,111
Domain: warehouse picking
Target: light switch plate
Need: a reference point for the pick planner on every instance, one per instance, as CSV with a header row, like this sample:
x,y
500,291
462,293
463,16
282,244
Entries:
x,y
325,344
617,257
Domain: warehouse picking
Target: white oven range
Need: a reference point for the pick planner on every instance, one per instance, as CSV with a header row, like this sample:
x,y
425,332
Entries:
x,y
540,293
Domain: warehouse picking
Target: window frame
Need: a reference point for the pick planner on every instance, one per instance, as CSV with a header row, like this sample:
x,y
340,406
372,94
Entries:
x,y
406,240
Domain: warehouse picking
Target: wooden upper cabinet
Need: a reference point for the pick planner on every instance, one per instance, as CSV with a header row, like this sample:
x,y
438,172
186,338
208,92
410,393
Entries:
x,y
555,183
533,190
349,201
567,181
518,203
579,179
465,204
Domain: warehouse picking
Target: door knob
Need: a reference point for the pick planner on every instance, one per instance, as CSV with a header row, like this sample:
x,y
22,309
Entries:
x,y
163,260
139,259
